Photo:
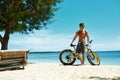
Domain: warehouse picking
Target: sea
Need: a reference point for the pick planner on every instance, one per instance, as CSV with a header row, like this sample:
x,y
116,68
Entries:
x,y
106,57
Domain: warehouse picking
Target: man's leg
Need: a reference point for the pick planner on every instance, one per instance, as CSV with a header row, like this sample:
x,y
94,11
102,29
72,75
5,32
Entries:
x,y
83,57
78,50
82,50
78,56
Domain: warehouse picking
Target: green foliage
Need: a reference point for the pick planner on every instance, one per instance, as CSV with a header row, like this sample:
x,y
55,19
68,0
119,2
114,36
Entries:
x,y
26,15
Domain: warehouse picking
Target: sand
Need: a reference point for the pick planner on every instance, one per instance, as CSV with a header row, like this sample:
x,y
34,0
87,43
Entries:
x,y
54,71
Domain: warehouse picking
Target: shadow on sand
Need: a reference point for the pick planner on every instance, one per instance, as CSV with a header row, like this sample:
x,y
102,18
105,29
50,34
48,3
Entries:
x,y
101,78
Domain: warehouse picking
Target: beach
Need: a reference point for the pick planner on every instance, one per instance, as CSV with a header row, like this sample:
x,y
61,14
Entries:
x,y
56,71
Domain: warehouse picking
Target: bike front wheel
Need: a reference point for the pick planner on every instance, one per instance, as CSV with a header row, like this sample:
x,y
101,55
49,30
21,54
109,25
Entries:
x,y
93,58
67,57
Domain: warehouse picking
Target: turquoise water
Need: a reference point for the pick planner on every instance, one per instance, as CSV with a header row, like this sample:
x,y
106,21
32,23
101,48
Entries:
x,y
106,57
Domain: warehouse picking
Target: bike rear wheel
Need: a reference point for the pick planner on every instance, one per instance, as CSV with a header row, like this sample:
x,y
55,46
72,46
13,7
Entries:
x,y
93,58
66,57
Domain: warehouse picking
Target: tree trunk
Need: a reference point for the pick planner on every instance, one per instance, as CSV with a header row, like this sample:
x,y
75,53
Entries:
x,y
4,45
4,40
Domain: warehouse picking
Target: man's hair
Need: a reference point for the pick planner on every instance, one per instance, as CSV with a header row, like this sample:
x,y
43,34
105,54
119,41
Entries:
x,y
81,24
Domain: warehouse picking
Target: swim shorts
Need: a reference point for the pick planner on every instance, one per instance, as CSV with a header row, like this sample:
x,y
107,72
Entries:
x,y
80,47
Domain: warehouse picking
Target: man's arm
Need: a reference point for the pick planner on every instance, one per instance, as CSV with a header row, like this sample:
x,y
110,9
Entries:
x,y
74,39
88,39
1,38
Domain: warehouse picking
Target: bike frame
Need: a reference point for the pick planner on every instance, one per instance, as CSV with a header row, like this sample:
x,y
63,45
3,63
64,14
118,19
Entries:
x,y
73,54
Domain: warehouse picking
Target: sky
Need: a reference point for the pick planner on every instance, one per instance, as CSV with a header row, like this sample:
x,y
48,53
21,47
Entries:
x,y
101,19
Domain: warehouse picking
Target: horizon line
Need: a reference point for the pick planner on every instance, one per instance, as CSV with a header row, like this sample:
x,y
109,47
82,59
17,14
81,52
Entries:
x,y
60,51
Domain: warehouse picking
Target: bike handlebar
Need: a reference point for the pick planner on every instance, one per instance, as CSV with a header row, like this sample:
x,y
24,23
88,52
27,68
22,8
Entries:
x,y
75,45
72,45
91,41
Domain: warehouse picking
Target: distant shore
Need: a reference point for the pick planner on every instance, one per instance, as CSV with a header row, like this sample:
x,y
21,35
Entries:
x,y
55,71
46,52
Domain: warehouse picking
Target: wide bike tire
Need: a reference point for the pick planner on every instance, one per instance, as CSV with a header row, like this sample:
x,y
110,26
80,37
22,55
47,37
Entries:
x,y
95,57
63,61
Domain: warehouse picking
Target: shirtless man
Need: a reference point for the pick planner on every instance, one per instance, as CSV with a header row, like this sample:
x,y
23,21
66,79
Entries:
x,y
81,34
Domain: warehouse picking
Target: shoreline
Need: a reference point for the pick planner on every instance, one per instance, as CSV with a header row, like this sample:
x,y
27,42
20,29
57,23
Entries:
x,y
76,63
56,71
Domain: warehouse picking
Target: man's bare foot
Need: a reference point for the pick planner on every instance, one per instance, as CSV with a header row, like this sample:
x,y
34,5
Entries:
x,y
82,63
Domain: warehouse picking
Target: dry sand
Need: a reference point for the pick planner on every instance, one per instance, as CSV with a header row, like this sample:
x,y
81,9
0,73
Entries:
x,y
54,71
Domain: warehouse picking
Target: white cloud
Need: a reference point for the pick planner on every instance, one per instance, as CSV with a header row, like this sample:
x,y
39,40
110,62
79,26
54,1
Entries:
x,y
108,44
48,41
41,41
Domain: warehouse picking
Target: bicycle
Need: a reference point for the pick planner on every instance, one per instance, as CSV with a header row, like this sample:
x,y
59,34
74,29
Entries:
x,y
68,57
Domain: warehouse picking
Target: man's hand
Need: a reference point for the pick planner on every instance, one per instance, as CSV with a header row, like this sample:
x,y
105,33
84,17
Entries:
x,y
71,44
86,45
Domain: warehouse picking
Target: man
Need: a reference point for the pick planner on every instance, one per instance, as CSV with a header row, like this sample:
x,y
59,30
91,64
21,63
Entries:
x,y
81,34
